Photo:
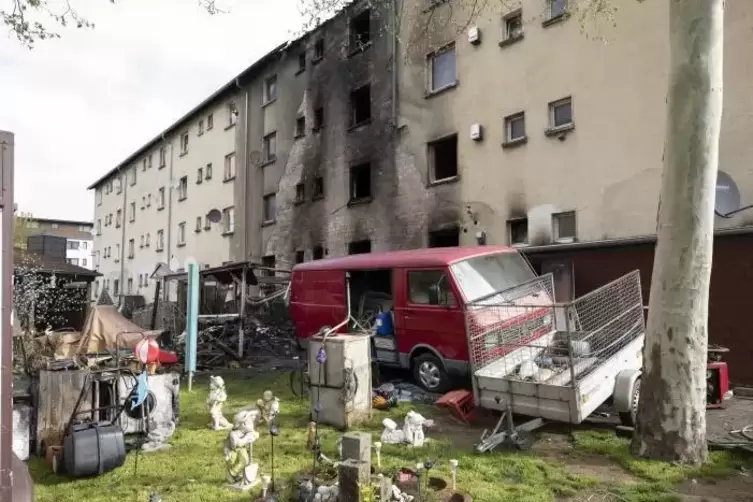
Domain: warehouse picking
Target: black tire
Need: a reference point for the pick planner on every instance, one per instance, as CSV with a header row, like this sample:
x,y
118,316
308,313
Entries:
x,y
630,418
429,373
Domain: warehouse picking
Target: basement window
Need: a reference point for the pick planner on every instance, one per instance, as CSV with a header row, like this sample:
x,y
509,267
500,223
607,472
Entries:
x,y
318,119
300,193
360,182
318,253
445,238
443,159
300,256
360,106
359,247
360,31
517,229
563,226
300,127
318,187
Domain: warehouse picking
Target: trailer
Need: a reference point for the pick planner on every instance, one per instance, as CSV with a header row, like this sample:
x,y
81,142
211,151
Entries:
x,y
554,361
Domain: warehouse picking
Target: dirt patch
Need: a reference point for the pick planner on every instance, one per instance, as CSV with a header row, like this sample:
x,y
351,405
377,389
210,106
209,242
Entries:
x,y
733,489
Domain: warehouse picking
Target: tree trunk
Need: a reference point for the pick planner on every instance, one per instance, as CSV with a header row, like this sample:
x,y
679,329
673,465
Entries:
x,y
672,407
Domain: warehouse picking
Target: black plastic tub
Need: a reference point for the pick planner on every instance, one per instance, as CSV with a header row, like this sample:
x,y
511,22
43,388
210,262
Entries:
x,y
92,449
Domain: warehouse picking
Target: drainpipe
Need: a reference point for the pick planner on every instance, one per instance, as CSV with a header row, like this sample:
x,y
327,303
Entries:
x,y
394,62
244,188
124,185
169,211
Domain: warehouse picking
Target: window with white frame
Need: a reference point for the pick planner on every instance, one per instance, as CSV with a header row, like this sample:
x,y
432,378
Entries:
x,y
184,143
563,226
198,224
149,162
515,127
131,247
232,114
513,25
98,196
133,177
143,164
99,226
141,241
117,252
118,185
201,127
162,156
228,220
208,172
210,121
561,113
161,198
270,147
132,212
160,245
182,233
442,69
269,208
183,188
229,166
199,175
270,89
557,8
147,240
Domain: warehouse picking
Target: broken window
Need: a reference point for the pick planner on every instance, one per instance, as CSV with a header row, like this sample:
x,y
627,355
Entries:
x,y
515,127
269,208
270,147
445,238
300,127
270,89
430,287
360,181
518,231
318,118
442,69
300,193
269,263
318,187
317,253
300,256
359,247
560,113
319,49
443,158
360,105
360,31
563,226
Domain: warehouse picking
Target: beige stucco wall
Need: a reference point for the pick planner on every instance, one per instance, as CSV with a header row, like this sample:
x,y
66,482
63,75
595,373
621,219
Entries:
x,y
615,69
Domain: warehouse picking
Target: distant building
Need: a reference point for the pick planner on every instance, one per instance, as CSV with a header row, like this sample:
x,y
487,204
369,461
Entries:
x,y
78,235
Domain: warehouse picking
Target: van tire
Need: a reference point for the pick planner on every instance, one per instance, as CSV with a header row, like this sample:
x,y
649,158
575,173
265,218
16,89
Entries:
x,y
429,373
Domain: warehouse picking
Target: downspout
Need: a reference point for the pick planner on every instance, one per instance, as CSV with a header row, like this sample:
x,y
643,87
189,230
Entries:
x,y
395,36
169,213
124,185
244,188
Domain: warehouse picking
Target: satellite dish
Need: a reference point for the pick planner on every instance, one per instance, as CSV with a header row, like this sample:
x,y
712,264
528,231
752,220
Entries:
x,y
215,216
727,195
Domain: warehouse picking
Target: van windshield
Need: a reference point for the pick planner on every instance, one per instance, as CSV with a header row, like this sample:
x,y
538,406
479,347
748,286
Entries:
x,y
484,275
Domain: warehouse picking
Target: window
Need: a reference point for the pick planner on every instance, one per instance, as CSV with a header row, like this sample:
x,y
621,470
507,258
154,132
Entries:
x,y
300,256
143,202
360,105
318,187
232,115
160,240
360,31
131,247
162,156
317,253
83,262
269,262
201,127
141,280
147,239
359,247
301,61
270,147
563,226
270,89
130,284
483,276
182,233
319,49
116,286
515,127
98,196
430,287
133,176
161,198
118,185
99,226
199,175
55,225
199,221
557,8
445,238
443,158
141,241
300,193
143,165
149,162
442,71
518,231
72,261
513,25
108,187
132,215
360,182
318,119
207,223
117,252
184,143
228,220
269,208
148,200
84,245
210,121
300,127
561,113
73,245
208,172
229,166
183,188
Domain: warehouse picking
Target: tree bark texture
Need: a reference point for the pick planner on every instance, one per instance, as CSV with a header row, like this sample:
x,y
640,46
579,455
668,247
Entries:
x,y
672,406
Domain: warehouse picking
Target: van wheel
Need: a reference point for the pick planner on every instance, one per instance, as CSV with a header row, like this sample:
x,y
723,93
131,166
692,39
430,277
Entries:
x,y
630,418
430,374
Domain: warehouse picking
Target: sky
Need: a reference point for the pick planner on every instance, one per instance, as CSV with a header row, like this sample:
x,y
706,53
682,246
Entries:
x,y
81,104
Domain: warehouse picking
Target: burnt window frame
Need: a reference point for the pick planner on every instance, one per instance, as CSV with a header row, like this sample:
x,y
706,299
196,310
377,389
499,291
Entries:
x,y
353,99
431,156
354,244
355,43
354,178
513,222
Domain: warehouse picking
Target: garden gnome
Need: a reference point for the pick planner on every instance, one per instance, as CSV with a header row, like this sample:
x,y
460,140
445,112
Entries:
x,y
242,471
216,398
269,406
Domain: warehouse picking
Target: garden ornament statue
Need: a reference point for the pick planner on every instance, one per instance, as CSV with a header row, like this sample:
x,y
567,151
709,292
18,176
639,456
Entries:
x,y
378,452
412,433
216,398
327,493
242,471
454,467
269,406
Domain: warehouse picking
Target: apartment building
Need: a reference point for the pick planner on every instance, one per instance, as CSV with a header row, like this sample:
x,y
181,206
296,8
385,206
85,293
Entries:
x,y
78,235
154,206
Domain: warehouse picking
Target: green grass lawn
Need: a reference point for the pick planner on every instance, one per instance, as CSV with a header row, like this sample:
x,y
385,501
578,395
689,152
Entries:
x,y
193,469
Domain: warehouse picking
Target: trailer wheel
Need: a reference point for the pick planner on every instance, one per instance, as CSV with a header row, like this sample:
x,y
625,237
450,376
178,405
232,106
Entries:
x,y
430,374
630,418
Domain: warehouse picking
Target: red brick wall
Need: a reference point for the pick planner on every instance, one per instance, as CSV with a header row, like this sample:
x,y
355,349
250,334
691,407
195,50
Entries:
x,y
731,297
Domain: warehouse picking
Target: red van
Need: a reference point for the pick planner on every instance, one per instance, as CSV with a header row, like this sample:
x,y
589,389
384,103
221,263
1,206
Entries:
x,y
415,302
